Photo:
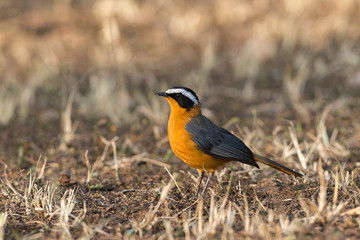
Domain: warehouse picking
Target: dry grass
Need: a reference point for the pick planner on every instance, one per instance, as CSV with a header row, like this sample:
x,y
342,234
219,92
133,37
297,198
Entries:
x,y
83,146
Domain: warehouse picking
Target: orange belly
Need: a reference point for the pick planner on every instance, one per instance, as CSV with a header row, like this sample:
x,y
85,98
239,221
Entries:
x,y
185,148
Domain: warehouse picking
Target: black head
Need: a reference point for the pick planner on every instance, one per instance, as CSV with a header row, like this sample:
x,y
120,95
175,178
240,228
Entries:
x,y
185,97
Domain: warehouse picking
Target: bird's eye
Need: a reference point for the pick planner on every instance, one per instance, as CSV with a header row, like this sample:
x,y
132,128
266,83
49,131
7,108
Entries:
x,y
177,95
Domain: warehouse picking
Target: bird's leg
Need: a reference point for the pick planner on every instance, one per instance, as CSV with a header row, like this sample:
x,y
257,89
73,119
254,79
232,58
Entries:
x,y
207,182
199,182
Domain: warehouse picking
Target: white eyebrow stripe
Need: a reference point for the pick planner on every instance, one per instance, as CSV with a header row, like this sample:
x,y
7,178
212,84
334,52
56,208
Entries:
x,y
183,92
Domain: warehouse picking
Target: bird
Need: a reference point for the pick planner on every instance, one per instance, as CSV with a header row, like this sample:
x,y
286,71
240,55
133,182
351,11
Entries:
x,y
202,144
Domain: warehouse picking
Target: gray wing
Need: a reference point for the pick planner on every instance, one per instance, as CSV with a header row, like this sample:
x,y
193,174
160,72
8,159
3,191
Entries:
x,y
218,142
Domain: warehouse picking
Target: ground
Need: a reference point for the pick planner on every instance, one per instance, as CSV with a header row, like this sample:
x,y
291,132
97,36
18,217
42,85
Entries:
x,y
84,152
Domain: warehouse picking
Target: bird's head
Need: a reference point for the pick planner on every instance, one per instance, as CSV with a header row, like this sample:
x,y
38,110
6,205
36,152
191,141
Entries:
x,y
180,96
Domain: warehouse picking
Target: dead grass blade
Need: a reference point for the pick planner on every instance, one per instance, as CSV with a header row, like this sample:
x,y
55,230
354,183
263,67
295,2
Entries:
x,y
3,222
42,168
7,183
149,218
68,129
107,145
172,177
354,211
302,159
67,204
336,190
155,162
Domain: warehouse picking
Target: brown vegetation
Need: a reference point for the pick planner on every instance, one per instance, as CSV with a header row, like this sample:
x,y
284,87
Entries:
x,y
83,146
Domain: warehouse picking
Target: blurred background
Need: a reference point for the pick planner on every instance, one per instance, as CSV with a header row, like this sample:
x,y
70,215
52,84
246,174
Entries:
x,y
69,65
79,121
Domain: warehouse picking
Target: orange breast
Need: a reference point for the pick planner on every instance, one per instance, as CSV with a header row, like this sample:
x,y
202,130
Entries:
x,y
181,141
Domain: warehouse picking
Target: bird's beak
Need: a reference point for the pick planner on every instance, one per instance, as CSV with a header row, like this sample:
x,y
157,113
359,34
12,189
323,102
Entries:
x,y
162,94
